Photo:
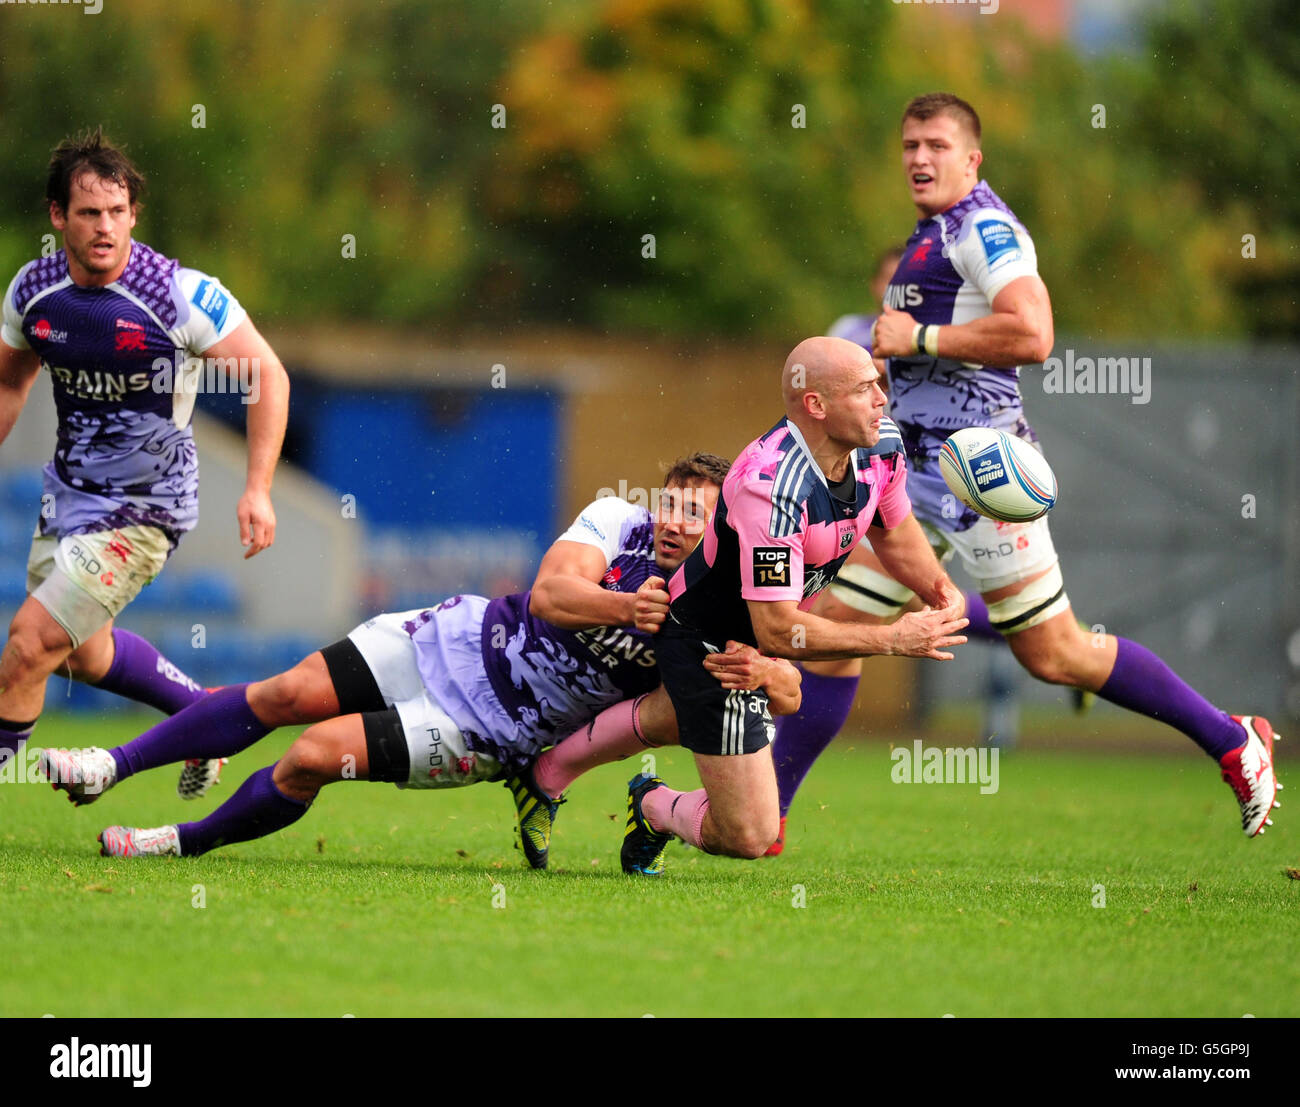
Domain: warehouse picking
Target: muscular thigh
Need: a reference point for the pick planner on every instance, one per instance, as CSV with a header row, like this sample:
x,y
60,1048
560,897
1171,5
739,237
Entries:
x,y
742,789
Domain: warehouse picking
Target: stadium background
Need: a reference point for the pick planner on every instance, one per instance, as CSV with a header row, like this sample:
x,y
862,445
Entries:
x,y
438,215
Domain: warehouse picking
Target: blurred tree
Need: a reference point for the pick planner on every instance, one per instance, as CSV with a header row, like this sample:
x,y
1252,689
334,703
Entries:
x,y
1220,100
755,140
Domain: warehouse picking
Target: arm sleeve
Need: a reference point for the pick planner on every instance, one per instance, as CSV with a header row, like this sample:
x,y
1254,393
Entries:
x,y
894,505
605,524
994,251
213,311
771,567
12,330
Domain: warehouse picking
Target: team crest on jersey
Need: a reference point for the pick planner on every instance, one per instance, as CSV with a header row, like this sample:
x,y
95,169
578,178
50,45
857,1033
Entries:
x,y
846,540
128,337
771,567
211,299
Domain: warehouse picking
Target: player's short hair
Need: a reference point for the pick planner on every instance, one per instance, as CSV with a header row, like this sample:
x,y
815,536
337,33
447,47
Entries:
x,y
943,103
705,467
90,152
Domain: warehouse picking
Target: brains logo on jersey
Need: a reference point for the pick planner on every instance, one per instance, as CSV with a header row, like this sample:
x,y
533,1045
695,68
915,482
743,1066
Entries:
x,y
771,567
1000,243
211,299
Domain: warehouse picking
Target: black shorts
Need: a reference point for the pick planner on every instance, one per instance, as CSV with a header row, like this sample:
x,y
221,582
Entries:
x,y
710,719
358,693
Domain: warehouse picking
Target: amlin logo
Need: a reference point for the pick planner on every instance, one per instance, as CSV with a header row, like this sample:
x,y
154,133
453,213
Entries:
x,y
988,467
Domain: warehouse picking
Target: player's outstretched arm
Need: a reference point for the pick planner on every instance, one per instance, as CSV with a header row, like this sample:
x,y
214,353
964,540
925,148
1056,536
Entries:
x,y
18,369
567,591
742,666
1017,331
783,630
268,414
908,557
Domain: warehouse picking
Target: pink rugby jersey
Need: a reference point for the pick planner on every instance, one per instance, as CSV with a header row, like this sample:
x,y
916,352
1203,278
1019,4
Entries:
x,y
781,533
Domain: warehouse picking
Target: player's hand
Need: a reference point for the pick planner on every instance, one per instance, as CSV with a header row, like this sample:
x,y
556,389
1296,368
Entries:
x,y
948,595
739,666
892,334
928,632
256,521
652,601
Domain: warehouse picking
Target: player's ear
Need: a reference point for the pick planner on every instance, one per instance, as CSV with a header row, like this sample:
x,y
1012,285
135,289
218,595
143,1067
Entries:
x,y
812,404
976,159
57,216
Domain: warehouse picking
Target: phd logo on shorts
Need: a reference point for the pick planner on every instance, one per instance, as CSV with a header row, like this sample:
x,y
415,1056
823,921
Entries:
x,y
85,560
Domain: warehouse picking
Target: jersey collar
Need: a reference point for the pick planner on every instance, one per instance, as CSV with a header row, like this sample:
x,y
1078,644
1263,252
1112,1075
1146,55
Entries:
x,y
797,435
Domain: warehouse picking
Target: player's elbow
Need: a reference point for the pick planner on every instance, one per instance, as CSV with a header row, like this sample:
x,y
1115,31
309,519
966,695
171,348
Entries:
x,y
540,604
1039,342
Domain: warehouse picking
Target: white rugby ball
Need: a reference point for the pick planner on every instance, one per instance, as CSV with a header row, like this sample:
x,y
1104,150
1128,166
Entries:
x,y
997,474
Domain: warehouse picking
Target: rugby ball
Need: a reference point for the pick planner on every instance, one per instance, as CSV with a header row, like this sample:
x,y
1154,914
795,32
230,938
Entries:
x,y
997,474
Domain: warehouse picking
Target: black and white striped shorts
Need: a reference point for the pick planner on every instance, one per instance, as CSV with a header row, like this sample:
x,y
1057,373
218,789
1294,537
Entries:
x,y
710,719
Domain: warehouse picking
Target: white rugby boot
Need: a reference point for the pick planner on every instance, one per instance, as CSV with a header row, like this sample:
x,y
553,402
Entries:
x,y
129,841
84,774
1248,771
197,776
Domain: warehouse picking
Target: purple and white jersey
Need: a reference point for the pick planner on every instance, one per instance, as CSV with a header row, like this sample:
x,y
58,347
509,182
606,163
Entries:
x,y
955,264
516,684
125,453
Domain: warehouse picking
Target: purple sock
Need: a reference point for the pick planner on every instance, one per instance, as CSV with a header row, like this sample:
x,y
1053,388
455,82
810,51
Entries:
x,y
219,725
13,736
257,809
139,672
801,737
1143,683
977,611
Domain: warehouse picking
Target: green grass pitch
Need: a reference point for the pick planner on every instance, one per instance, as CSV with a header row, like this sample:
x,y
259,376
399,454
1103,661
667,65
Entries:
x,y
920,900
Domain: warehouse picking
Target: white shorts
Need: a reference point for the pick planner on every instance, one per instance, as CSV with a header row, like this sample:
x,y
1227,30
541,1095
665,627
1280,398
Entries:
x,y
996,554
84,580
439,756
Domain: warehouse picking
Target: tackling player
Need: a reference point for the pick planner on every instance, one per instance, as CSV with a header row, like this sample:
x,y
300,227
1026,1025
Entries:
x,y
468,691
111,319
975,310
794,504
